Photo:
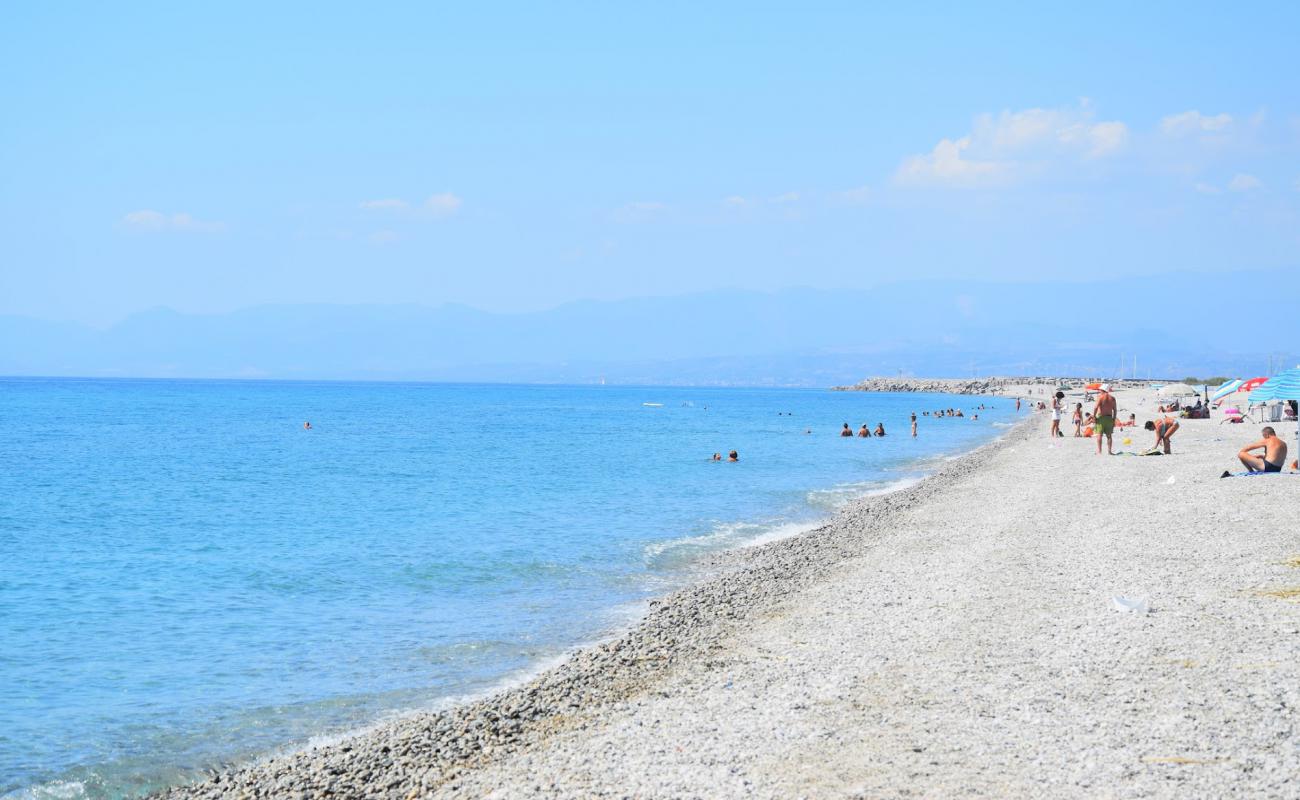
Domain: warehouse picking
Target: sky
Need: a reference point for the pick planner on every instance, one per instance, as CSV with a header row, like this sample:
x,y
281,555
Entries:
x,y
512,157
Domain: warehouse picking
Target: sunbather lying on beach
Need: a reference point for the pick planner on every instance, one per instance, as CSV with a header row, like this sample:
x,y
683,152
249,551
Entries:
x,y
1165,427
1273,457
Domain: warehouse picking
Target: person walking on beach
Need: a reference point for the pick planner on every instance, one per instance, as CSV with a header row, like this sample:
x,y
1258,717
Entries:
x,y
1078,420
1056,415
1165,427
1273,457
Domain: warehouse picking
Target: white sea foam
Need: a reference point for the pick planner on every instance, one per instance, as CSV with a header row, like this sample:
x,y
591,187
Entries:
x,y
54,790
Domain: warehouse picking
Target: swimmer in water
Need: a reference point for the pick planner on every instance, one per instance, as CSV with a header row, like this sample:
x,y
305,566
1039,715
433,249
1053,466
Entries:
x,y
846,430
880,429
716,457
863,432
306,426
733,456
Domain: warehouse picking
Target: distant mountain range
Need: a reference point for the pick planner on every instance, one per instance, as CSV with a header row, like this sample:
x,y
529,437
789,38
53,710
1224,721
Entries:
x,y
1176,325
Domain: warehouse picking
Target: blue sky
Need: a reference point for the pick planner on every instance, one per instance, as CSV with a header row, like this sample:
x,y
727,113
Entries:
x,y
513,157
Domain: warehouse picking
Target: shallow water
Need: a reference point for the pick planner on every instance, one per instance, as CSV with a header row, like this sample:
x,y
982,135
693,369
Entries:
x,y
191,578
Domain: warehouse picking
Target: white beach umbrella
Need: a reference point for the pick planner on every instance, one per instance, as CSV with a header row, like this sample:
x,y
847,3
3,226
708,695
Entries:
x,y
1178,390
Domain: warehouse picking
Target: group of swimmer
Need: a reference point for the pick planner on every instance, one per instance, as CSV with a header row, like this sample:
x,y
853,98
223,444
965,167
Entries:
x,y
733,457
863,432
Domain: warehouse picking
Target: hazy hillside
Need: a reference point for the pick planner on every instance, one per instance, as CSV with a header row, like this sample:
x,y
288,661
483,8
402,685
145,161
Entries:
x,y
798,336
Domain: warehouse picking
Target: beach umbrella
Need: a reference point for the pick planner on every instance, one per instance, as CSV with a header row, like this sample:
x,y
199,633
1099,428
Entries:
x,y
1178,390
1226,389
1095,387
1282,386
1251,385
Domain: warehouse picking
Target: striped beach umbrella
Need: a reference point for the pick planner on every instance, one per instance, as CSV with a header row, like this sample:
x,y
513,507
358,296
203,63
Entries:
x,y
1226,389
1282,386
1252,384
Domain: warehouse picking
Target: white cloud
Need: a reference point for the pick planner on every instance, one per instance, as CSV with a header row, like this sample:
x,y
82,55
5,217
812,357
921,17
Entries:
x,y
945,165
442,204
147,220
1205,188
1242,182
860,194
1014,144
639,211
1194,122
387,204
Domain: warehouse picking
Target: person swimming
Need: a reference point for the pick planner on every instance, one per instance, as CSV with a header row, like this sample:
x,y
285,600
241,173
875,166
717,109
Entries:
x,y
846,430
306,426
863,432
733,456
716,457
880,428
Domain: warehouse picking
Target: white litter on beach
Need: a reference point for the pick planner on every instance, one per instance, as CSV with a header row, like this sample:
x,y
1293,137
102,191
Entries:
x,y
1133,605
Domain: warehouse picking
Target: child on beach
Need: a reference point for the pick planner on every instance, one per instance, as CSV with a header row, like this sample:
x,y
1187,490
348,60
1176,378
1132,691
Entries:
x,y
1078,420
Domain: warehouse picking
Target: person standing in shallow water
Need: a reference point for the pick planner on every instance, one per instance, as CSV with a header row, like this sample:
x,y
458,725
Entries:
x,y
863,432
913,424
733,456
846,430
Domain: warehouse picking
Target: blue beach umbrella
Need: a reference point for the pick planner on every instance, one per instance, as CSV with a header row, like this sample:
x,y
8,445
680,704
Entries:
x,y
1282,386
1226,389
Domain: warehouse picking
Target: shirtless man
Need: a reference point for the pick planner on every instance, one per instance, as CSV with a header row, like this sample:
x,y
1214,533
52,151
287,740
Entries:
x,y
1164,428
863,432
846,431
1104,419
1274,453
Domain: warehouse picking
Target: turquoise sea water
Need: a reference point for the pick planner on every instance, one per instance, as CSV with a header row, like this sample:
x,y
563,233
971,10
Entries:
x,y
188,577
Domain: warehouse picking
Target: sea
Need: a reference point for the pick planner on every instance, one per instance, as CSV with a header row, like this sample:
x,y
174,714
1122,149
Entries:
x,y
190,577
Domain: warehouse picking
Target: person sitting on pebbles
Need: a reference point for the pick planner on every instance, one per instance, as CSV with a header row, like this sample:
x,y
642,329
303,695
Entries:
x,y
1273,457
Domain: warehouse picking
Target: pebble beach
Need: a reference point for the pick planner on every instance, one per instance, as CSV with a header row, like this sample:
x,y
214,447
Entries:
x,y
957,637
